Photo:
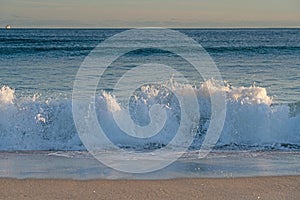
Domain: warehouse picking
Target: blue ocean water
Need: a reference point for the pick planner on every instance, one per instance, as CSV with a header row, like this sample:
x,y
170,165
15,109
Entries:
x,y
261,69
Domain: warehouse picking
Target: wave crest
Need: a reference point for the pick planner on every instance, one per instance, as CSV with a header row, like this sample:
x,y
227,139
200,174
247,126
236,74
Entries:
x,y
251,118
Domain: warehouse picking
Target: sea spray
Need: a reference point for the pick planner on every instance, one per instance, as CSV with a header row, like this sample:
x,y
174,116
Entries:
x,y
252,121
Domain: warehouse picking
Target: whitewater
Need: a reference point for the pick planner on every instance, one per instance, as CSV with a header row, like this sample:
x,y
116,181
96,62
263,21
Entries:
x,y
252,121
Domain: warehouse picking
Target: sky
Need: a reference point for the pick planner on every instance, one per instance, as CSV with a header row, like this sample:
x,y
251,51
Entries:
x,y
150,13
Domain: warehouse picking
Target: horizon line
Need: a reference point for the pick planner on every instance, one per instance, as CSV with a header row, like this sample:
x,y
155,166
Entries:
x,y
192,27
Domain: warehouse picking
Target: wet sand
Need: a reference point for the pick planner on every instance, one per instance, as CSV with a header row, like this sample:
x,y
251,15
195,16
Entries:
x,y
283,187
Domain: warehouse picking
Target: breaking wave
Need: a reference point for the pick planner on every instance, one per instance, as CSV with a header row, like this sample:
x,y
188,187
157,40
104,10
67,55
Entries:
x,y
252,120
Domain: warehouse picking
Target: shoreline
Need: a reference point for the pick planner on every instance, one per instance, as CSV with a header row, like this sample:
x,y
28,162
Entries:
x,y
82,166
265,187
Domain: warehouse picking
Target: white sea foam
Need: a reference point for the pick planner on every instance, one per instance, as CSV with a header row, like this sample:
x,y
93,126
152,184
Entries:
x,y
7,95
29,123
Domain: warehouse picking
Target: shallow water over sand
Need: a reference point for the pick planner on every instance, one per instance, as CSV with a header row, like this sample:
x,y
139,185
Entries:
x,y
81,165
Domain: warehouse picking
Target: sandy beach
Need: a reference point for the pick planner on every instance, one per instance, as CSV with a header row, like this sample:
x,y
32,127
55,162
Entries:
x,y
285,187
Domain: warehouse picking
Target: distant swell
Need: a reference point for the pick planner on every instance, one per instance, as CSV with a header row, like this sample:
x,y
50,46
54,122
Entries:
x,y
253,49
30,49
252,121
35,46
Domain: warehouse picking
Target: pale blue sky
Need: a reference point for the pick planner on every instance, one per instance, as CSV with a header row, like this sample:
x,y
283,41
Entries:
x,y
140,13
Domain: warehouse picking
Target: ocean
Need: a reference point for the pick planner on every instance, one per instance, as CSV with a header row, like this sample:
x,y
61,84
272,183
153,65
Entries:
x,y
260,69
